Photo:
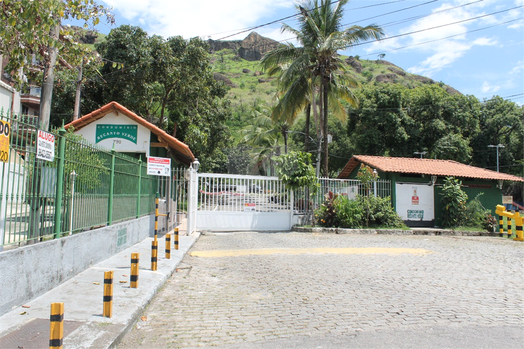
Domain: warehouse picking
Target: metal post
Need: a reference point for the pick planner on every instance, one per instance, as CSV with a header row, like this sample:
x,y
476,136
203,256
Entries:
x,y
56,335
59,181
108,294
176,238
73,177
111,188
139,188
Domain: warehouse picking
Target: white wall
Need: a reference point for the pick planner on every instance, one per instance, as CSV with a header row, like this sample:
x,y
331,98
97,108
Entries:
x,y
121,145
6,99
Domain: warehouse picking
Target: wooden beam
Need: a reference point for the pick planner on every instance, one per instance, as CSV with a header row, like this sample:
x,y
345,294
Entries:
x,y
158,144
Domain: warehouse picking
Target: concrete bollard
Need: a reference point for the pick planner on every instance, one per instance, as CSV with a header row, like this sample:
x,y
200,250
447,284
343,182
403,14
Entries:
x,y
518,227
56,336
134,270
108,294
501,226
168,246
154,255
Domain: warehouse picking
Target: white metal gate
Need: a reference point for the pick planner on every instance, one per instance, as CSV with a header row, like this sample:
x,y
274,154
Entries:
x,y
239,203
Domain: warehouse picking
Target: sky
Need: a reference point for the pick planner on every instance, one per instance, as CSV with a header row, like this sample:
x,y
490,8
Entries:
x,y
475,46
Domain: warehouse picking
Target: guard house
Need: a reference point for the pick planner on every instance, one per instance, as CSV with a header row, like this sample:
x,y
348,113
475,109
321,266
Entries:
x,y
416,184
115,126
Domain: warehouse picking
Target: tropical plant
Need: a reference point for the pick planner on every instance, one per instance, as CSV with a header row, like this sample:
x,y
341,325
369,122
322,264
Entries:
x,y
454,202
315,69
295,170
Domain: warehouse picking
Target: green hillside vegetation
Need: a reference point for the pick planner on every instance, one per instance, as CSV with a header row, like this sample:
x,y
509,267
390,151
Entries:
x,y
249,86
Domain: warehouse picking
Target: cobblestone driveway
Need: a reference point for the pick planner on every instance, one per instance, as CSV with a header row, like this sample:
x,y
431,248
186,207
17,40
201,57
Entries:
x,y
252,299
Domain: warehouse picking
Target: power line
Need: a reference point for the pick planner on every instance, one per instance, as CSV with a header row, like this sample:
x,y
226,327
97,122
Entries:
x,y
396,11
441,26
244,30
444,38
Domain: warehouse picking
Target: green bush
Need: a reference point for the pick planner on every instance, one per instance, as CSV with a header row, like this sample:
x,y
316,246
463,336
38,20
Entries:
x,y
454,203
339,211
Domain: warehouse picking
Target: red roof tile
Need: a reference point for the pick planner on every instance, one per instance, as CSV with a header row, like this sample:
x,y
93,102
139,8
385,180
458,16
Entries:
x,y
424,166
180,150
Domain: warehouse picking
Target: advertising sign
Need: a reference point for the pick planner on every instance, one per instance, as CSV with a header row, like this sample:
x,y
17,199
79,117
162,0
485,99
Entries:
x,y
507,199
5,131
415,202
158,166
45,146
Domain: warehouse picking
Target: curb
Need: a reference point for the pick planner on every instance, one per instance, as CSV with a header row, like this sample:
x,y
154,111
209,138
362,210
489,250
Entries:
x,y
421,231
142,307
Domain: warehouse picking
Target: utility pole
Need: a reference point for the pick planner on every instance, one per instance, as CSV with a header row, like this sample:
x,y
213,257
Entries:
x,y
496,146
76,111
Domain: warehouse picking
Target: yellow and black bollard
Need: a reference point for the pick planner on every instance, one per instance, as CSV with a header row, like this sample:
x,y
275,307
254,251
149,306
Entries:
x,y
501,226
168,246
108,294
176,239
134,270
56,336
510,232
154,254
518,227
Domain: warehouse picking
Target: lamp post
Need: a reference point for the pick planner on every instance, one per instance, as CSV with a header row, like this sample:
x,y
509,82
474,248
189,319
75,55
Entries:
x,y
496,146
421,153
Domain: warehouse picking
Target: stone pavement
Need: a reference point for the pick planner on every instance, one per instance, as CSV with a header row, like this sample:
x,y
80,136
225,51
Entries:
x,y
460,292
84,327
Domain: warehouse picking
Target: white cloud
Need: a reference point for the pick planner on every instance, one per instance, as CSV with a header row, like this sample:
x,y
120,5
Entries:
x,y
519,67
198,17
487,87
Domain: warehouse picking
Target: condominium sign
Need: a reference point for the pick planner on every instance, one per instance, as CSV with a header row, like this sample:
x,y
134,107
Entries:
x,y
158,166
45,146
5,131
127,132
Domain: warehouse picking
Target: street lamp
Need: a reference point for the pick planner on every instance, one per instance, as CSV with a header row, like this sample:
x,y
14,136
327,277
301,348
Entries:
x,y
421,153
496,146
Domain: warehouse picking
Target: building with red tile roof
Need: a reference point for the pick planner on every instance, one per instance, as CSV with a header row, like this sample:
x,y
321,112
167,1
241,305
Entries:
x,y
416,184
114,125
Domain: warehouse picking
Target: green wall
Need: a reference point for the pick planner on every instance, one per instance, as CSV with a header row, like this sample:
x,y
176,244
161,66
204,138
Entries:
x,y
492,196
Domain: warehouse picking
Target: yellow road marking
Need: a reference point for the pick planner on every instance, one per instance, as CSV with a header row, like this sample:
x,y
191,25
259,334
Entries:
x,y
321,250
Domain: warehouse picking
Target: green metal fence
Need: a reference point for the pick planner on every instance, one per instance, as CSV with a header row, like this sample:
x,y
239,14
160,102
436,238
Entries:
x,y
84,187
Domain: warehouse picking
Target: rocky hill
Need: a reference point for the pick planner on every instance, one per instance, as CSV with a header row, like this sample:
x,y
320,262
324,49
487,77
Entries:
x,y
236,63
252,48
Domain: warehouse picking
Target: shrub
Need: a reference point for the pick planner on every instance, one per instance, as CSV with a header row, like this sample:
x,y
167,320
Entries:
x,y
379,212
454,203
339,211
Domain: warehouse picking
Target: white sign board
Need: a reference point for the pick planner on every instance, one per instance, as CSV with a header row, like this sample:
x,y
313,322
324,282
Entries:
x,y
158,166
415,202
45,146
507,199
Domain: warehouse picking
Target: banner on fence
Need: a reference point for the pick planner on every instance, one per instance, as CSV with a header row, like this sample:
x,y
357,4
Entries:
x,y
45,146
158,166
5,130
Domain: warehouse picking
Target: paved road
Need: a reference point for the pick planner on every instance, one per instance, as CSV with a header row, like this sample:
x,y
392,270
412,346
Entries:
x,y
296,290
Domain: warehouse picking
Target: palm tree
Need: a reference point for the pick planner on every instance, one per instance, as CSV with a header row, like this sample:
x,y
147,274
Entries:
x,y
314,69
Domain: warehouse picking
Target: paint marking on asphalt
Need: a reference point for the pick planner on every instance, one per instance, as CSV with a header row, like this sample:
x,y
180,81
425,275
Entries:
x,y
321,250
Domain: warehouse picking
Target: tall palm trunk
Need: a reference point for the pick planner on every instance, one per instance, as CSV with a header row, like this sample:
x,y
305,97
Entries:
x,y
306,137
325,165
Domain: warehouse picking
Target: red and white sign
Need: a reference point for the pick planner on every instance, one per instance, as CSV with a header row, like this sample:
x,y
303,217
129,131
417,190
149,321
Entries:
x,y
158,166
249,207
45,146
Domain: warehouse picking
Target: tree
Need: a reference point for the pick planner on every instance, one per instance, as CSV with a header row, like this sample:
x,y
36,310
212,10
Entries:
x,y
322,37
170,83
34,30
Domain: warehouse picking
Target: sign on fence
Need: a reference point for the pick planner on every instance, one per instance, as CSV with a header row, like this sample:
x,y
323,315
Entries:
x,y
507,199
5,130
158,166
45,146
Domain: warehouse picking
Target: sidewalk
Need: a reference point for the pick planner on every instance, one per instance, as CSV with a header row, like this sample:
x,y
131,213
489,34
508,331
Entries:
x,y
84,327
